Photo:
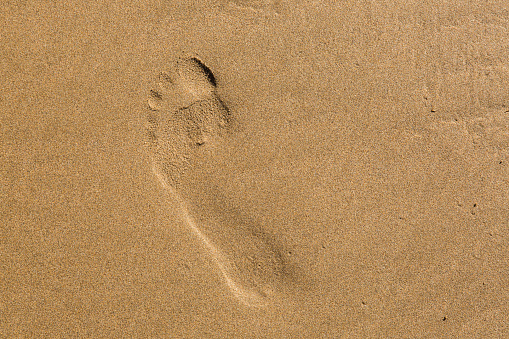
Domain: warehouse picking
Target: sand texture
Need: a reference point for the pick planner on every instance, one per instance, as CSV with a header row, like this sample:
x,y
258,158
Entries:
x,y
254,169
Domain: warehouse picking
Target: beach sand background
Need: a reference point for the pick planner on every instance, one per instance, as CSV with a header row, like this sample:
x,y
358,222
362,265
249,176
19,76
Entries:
x,y
372,145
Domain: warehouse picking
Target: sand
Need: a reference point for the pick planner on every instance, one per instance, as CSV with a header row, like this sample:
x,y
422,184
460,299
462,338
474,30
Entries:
x,y
254,169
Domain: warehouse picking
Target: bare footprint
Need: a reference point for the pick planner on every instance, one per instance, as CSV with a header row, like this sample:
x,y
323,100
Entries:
x,y
187,120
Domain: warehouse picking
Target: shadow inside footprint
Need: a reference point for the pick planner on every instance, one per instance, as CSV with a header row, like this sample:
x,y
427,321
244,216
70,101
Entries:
x,y
195,66
196,78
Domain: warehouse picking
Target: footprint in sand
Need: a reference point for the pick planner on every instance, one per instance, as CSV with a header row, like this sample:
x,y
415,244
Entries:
x,y
186,120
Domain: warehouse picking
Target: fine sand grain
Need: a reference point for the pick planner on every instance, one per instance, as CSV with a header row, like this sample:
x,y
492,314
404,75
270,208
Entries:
x,y
254,169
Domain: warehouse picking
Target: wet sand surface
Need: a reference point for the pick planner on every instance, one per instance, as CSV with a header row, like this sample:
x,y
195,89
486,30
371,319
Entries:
x,y
254,169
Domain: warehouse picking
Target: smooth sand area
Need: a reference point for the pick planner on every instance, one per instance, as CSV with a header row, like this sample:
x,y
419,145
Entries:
x,y
254,169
